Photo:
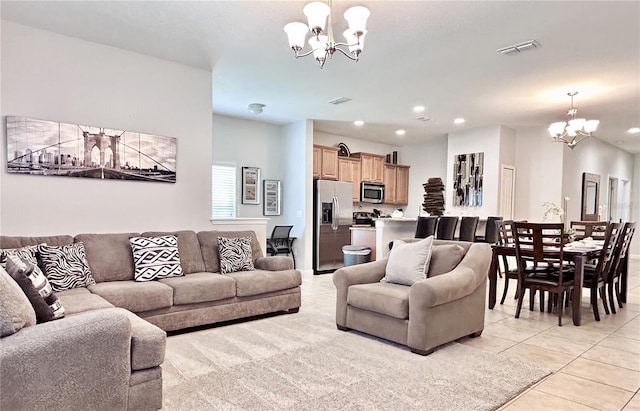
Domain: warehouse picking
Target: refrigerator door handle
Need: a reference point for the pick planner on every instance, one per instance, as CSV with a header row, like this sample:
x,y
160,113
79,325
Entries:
x,y
337,213
334,221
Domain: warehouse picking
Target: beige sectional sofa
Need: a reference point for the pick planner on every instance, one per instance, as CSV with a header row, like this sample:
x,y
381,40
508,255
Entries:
x,y
431,312
107,351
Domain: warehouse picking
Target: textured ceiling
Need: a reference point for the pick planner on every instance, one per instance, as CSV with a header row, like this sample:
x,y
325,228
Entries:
x,y
438,54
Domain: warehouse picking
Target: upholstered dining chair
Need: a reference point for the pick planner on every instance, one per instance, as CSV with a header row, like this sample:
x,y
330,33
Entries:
x,y
446,228
593,229
620,255
426,226
468,227
281,242
491,231
541,245
595,277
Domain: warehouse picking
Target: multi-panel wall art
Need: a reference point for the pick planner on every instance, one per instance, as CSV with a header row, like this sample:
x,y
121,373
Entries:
x,y
59,149
467,179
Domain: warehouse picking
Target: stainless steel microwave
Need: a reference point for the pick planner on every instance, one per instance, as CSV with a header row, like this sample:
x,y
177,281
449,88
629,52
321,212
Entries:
x,y
371,193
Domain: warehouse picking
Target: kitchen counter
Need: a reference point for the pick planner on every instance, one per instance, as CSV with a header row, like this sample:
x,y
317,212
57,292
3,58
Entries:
x,y
385,231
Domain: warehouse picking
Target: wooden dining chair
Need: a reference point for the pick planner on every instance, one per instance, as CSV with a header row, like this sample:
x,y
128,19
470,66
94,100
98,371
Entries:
x,y
505,238
446,228
620,255
541,245
426,226
468,227
593,229
595,277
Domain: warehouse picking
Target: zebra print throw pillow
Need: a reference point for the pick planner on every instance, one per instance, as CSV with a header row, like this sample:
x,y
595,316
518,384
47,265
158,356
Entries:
x,y
66,266
155,257
235,254
36,287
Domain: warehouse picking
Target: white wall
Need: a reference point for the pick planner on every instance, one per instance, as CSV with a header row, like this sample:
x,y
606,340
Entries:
x,y
298,197
635,207
53,77
427,160
247,143
481,140
539,173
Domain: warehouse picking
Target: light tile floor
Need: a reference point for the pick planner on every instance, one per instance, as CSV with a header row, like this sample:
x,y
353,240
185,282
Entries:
x,y
596,366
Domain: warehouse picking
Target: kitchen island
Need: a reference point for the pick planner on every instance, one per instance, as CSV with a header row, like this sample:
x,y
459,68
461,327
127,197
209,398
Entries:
x,y
385,231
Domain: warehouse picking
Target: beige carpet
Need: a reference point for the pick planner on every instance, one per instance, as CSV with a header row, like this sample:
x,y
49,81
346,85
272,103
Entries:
x,y
302,362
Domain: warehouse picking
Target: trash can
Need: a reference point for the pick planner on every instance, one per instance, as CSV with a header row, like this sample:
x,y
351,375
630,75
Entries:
x,y
356,254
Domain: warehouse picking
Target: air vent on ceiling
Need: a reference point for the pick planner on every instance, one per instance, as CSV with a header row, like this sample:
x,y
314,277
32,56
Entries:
x,y
517,48
425,119
339,100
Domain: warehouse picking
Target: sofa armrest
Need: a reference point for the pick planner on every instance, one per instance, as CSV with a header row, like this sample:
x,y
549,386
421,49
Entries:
x,y
345,277
458,283
274,263
79,362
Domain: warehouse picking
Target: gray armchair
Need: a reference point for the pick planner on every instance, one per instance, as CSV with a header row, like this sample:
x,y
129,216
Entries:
x,y
431,312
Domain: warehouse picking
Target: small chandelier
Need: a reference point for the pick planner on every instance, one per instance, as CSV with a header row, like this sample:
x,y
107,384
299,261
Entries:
x,y
324,45
574,130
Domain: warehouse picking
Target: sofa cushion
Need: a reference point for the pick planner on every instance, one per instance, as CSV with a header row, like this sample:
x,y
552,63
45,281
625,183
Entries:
x,y
148,342
201,287
408,262
445,258
382,298
209,246
155,257
36,287
135,296
109,255
65,266
75,302
15,310
259,281
235,254
188,247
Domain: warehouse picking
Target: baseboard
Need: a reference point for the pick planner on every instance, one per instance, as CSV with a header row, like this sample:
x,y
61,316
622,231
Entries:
x,y
634,256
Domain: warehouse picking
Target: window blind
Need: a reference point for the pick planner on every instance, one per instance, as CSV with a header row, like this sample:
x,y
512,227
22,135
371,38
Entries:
x,y
223,191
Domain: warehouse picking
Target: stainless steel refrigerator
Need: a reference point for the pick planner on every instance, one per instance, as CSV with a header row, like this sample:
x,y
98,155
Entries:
x,y
333,216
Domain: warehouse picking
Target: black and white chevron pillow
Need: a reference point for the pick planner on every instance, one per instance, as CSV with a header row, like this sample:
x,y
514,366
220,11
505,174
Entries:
x,y
27,253
36,287
66,266
235,254
155,257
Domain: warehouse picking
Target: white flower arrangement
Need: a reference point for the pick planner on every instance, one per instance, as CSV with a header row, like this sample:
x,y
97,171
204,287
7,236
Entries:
x,y
552,209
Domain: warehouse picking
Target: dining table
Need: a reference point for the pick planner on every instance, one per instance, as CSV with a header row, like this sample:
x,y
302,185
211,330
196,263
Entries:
x,y
579,254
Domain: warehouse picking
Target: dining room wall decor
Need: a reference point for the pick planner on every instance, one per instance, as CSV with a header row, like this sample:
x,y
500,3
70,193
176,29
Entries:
x,y
50,148
467,179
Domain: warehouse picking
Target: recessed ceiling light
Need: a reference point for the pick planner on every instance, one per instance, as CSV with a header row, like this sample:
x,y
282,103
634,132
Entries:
x,y
256,108
419,109
358,123
400,132
459,120
634,130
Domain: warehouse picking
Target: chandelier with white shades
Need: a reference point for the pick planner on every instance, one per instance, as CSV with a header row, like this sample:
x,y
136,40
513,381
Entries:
x,y
322,42
574,130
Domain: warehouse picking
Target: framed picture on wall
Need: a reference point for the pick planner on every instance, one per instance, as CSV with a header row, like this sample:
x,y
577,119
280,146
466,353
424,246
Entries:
x,y
272,197
250,185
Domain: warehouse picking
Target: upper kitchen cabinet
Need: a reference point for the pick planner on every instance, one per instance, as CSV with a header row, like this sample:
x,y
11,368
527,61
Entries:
x,y
325,162
372,167
349,170
396,184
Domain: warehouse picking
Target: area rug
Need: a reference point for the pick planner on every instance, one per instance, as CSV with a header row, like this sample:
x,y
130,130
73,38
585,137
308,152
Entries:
x,y
302,362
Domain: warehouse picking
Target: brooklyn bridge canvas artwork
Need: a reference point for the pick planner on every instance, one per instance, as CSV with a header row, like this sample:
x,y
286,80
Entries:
x,y
59,149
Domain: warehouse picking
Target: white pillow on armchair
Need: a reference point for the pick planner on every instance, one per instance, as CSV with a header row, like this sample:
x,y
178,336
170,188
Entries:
x,y
408,262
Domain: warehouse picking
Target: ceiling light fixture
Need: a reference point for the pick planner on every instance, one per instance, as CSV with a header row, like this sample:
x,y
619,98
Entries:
x,y
634,130
358,123
401,132
419,109
256,108
459,120
574,130
324,45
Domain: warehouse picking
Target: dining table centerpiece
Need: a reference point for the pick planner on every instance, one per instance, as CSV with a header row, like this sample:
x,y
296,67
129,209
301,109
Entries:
x,y
553,209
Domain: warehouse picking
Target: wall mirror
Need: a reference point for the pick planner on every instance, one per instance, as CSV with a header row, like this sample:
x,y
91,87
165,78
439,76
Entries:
x,y
590,196
467,179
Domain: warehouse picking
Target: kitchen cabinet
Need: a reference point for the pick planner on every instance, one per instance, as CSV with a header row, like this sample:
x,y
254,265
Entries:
x,y
325,162
372,167
396,184
349,170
